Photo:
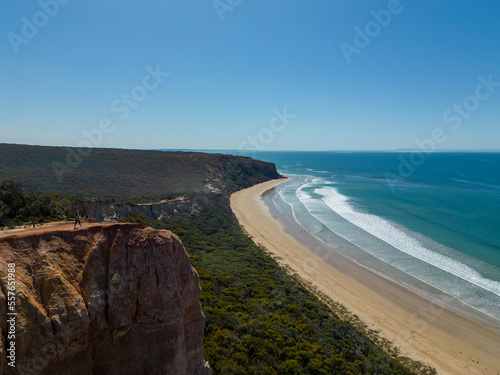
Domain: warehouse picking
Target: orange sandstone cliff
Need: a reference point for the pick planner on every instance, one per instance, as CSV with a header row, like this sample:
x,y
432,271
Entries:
x,y
105,299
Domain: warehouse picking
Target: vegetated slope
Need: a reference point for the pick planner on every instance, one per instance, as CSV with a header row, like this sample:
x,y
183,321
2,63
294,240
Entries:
x,y
259,320
105,299
122,174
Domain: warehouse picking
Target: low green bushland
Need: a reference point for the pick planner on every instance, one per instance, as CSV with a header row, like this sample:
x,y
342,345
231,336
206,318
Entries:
x,y
260,320
19,205
128,175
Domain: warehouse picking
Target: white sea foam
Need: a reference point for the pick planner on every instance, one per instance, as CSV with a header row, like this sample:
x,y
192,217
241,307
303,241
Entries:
x,y
387,232
300,203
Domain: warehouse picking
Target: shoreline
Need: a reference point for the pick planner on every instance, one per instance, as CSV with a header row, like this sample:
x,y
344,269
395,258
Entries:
x,y
422,330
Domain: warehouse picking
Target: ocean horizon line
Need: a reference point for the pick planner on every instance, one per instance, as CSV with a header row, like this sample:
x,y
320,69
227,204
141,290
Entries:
x,y
333,151
399,150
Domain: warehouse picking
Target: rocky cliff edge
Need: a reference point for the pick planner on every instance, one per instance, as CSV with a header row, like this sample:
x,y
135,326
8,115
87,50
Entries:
x,y
105,299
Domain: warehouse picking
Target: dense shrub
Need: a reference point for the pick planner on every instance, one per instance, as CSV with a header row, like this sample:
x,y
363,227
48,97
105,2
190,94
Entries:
x,y
20,206
259,320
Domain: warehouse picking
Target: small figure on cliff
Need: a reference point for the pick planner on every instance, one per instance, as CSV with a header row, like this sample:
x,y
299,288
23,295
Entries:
x,y
77,219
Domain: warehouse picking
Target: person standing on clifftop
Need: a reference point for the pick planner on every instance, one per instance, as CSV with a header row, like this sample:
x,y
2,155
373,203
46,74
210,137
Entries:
x,y
77,219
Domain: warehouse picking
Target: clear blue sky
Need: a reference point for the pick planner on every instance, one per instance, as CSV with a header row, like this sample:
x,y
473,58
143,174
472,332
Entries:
x,y
230,68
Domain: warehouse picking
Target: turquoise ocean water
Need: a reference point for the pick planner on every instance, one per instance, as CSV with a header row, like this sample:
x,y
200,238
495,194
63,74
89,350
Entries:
x,y
430,223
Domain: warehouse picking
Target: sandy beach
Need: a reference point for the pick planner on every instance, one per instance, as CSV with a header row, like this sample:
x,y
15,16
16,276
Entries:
x,y
424,331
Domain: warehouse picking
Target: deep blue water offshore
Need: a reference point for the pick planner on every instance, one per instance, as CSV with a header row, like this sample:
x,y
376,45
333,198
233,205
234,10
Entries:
x,y
430,222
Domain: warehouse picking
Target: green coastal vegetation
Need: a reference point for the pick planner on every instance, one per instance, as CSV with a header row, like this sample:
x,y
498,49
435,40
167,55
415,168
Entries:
x,y
259,319
20,205
128,176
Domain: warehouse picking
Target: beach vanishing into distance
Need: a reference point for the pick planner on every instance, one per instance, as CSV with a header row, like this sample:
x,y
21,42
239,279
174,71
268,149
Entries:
x,y
261,187
456,335
451,343
118,284
369,277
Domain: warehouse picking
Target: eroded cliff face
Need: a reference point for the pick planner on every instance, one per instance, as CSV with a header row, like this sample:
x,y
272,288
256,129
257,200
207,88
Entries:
x,y
113,213
105,299
224,176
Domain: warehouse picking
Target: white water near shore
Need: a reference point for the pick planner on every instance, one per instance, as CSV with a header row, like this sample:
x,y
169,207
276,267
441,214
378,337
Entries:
x,y
319,208
425,331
